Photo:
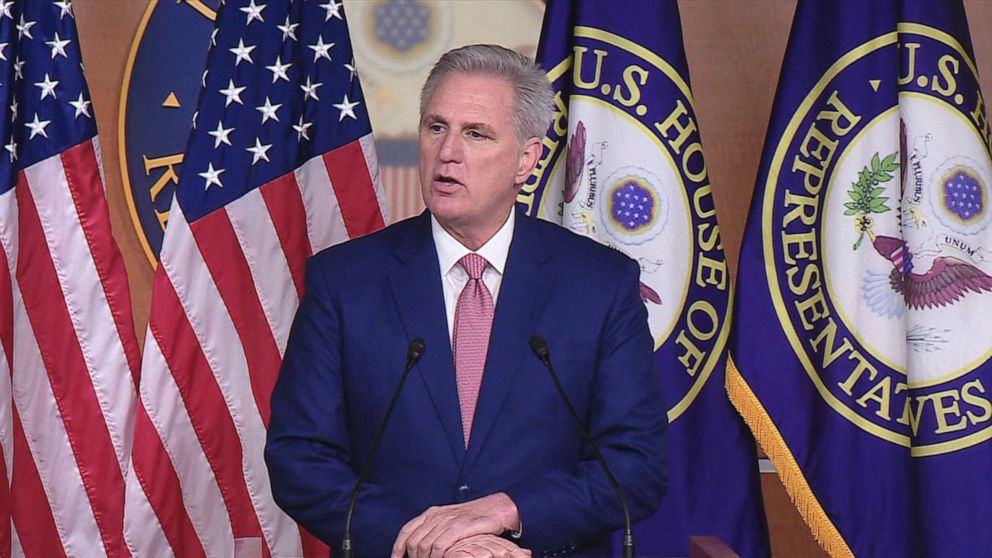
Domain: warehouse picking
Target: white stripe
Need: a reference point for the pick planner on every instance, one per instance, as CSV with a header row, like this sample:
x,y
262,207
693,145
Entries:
x,y
98,151
89,311
184,265
372,163
202,498
325,225
15,543
267,261
48,442
8,244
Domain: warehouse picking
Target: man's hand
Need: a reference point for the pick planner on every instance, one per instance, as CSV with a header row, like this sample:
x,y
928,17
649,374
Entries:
x,y
437,530
486,546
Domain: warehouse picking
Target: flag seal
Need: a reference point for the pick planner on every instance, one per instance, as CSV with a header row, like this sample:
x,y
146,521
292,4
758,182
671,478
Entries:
x,y
601,176
878,166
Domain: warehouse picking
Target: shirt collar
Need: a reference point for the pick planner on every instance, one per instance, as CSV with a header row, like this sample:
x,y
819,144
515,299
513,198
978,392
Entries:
x,y
495,250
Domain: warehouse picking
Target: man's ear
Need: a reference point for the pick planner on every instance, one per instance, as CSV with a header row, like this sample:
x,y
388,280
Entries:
x,y
530,154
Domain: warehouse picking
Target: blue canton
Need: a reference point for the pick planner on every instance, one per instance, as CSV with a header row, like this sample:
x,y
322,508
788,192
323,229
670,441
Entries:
x,y
47,104
280,88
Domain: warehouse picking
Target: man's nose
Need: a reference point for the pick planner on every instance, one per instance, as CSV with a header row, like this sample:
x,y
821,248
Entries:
x,y
451,149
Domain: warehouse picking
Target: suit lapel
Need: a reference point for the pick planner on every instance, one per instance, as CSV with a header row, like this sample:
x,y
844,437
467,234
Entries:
x,y
525,284
416,287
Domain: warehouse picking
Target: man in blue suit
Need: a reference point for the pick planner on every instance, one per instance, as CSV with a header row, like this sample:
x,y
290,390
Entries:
x,y
481,457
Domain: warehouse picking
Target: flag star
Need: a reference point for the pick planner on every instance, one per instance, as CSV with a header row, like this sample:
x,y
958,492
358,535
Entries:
x,y
221,135
203,78
288,29
347,108
58,46
279,70
268,111
232,93
47,87
66,7
212,176
82,106
310,90
18,64
213,37
13,110
254,12
320,50
5,8
38,126
3,47
301,129
24,28
333,10
12,149
196,115
242,52
352,72
258,152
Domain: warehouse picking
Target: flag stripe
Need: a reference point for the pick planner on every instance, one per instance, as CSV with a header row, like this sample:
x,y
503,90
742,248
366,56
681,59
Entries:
x,y
325,225
371,158
85,182
65,361
269,271
31,514
172,449
349,175
285,204
218,339
212,424
231,273
162,491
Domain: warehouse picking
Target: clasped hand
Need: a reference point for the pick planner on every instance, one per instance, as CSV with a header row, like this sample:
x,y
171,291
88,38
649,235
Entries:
x,y
470,529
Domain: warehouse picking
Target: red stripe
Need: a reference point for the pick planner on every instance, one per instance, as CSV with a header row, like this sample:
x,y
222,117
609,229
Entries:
x,y
68,375
205,404
161,485
353,187
32,515
285,204
222,253
86,187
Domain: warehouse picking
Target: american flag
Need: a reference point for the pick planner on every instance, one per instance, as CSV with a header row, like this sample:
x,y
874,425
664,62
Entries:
x,y
68,353
280,164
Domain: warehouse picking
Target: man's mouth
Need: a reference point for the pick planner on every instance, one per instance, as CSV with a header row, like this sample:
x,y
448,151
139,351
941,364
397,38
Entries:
x,y
447,180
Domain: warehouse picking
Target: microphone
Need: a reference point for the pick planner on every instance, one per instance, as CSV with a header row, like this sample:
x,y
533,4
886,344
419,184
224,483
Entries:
x,y
540,348
413,354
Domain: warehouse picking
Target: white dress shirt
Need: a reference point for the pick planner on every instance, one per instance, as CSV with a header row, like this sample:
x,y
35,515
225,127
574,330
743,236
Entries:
x,y
454,277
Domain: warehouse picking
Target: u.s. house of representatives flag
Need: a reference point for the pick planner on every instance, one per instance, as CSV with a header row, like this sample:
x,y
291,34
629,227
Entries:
x,y
623,164
68,353
865,284
280,165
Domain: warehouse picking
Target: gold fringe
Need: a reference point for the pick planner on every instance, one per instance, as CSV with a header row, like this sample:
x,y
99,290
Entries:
x,y
756,417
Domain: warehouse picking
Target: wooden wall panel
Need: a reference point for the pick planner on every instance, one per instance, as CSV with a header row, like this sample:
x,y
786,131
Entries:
x,y
735,50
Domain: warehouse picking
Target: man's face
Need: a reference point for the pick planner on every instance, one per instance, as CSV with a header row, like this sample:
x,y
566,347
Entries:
x,y
471,162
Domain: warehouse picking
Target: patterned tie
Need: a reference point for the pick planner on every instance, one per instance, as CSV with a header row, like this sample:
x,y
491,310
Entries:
x,y
473,322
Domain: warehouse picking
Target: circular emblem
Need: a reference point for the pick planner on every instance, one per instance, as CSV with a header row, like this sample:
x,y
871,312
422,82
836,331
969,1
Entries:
x,y
401,36
876,229
624,166
633,208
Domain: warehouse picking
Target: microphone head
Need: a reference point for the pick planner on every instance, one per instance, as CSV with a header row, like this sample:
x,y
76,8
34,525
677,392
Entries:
x,y
540,347
415,350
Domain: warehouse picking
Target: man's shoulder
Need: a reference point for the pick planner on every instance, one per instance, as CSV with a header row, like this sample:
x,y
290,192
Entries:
x,y
571,248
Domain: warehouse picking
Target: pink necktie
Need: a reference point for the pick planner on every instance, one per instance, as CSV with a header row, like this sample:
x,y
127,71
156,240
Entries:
x,y
473,322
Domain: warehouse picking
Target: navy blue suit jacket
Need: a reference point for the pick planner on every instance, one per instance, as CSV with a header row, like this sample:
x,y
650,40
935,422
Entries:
x,y
367,299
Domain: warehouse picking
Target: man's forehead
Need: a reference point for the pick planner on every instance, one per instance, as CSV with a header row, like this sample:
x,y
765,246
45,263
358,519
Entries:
x,y
471,98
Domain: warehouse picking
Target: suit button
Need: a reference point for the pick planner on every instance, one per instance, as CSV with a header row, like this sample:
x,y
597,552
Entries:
x,y
463,491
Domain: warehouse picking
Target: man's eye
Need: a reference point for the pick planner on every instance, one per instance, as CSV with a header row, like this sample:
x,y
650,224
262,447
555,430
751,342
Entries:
x,y
475,134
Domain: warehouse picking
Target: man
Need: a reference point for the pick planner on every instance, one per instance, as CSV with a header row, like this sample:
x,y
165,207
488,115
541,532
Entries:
x,y
481,457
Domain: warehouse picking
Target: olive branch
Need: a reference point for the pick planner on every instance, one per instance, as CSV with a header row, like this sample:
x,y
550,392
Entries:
x,y
866,193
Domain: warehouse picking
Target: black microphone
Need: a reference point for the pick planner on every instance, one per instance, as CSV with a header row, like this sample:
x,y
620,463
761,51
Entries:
x,y
540,348
413,354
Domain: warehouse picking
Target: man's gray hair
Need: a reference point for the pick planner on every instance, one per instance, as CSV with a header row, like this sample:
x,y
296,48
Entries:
x,y
534,99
